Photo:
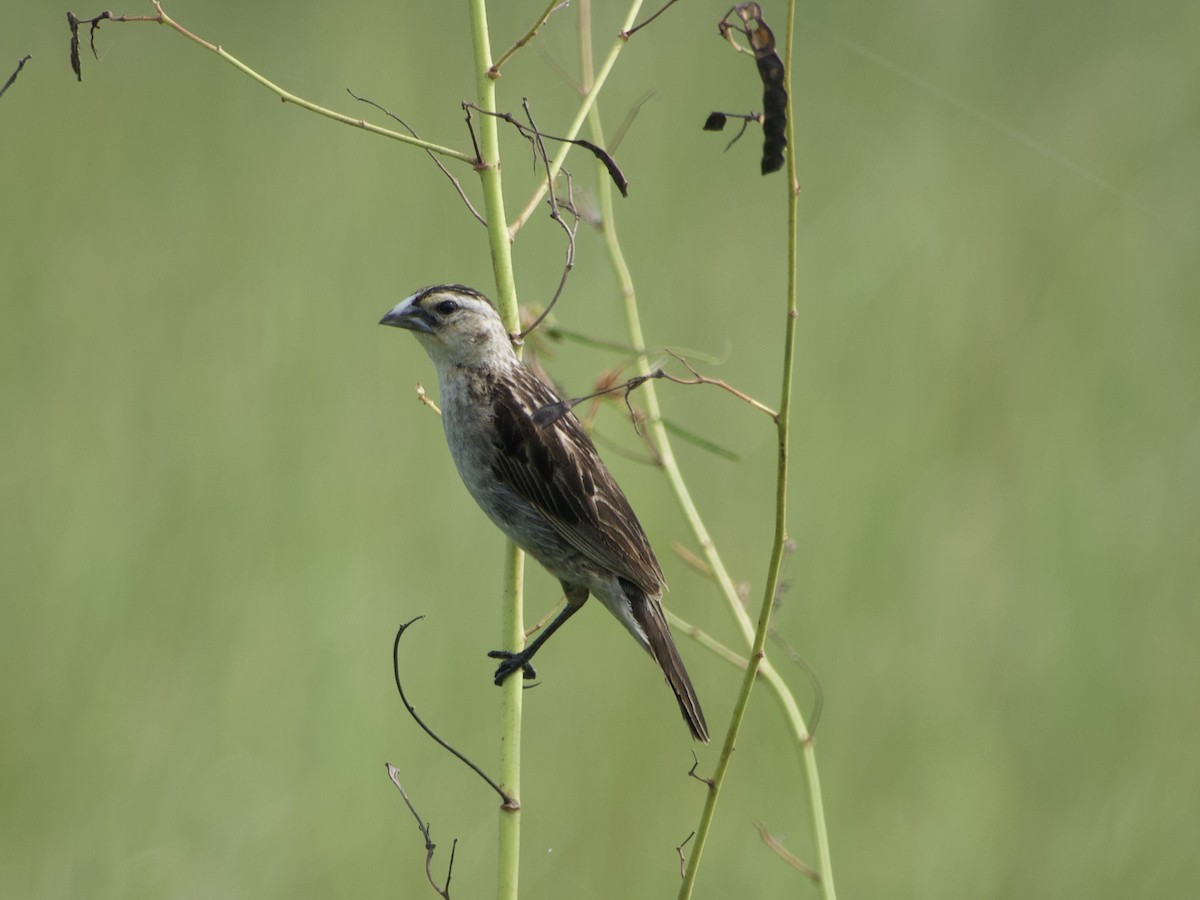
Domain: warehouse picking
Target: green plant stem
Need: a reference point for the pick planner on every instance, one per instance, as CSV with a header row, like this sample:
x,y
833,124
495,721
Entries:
x,y
512,626
807,748
754,633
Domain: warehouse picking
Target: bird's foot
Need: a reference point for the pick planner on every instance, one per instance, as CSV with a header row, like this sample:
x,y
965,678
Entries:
x,y
512,662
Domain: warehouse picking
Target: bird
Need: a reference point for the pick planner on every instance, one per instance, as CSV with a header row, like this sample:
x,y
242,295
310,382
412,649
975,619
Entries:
x,y
541,481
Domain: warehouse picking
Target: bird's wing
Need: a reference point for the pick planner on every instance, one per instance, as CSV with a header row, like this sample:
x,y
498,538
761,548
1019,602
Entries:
x,y
557,469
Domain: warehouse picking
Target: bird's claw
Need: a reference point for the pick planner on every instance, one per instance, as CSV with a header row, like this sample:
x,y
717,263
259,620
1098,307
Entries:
x,y
512,662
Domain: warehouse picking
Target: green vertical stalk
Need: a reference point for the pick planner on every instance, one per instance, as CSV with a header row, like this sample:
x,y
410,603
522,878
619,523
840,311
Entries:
x,y
816,801
757,665
512,626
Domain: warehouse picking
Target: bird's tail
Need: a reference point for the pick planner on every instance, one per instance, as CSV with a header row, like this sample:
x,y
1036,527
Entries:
x,y
649,615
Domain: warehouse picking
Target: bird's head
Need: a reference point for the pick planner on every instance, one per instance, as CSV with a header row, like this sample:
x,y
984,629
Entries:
x,y
457,326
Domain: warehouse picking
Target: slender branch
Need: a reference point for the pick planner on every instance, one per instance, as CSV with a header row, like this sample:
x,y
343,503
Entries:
x,y
412,711
628,33
816,801
162,18
679,852
426,400
425,828
552,412
707,641
717,382
758,666
17,71
556,215
537,139
779,543
786,855
555,5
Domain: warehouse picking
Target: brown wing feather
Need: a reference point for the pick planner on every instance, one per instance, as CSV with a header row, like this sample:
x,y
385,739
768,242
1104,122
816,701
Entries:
x,y
557,469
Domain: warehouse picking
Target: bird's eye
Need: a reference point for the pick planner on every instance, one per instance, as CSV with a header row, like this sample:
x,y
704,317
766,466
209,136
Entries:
x,y
446,307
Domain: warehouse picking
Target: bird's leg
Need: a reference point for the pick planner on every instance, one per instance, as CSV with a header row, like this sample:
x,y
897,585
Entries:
x,y
513,661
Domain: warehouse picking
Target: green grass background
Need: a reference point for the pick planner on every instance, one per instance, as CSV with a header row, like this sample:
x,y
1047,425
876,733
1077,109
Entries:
x,y
218,495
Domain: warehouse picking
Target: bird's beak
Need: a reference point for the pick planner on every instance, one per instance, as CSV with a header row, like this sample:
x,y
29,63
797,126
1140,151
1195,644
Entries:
x,y
407,315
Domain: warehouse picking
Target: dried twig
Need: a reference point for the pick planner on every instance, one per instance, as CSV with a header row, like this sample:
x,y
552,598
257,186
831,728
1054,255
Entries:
x,y
682,858
550,614
600,153
636,28
536,138
552,412
786,855
74,22
692,771
13,77
424,827
716,122
508,801
555,6
161,18
692,559
556,215
426,400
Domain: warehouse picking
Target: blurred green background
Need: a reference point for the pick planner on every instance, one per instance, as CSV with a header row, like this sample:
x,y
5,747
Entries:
x,y
218,495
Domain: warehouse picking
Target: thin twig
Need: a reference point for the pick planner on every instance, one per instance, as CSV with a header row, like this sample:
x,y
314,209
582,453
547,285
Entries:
x,y
426,400
550,613
692,772
605,158
73,22
556,215
425,827
692,559
629,33
682,858
286,96
716,382
708,642
509,802
555,5
786,855
759,667
13,77
538,147
757,633
552,412
716,122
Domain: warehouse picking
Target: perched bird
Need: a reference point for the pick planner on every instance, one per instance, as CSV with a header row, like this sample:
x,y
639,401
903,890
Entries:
x,y
544,485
